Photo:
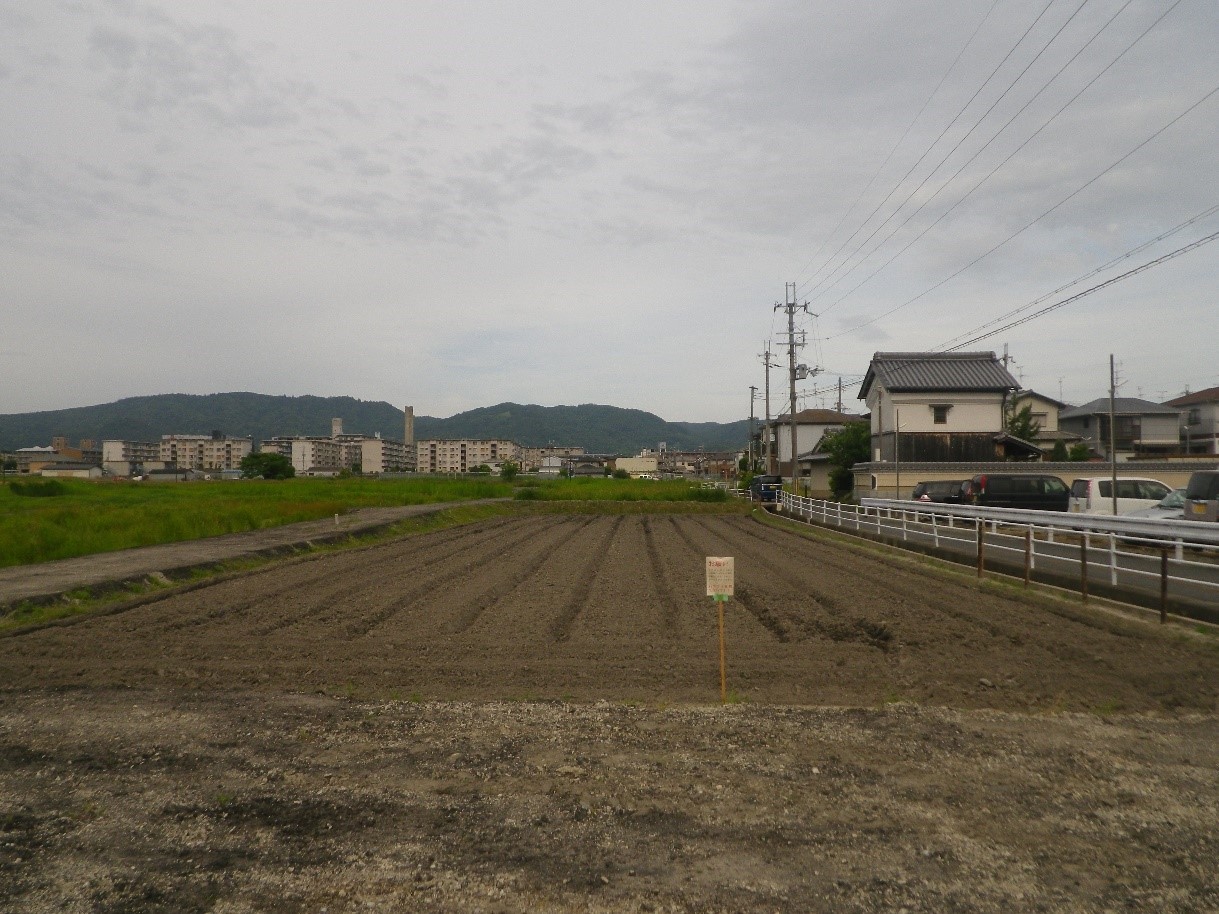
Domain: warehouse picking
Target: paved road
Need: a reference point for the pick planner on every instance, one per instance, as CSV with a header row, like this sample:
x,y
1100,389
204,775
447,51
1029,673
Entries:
x,y
25,582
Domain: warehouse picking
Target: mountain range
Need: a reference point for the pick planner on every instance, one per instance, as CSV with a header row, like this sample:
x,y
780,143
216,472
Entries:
x,y
598,429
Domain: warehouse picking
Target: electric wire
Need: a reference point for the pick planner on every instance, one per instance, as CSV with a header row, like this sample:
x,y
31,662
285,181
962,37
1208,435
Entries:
x,y
1164,258
845,216
927,151
1030,224
979,152
1206,213
977,123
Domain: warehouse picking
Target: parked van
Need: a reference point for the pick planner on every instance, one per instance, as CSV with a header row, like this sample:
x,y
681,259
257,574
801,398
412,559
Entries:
x,y
1095,495
941,492
1202,496
1018,490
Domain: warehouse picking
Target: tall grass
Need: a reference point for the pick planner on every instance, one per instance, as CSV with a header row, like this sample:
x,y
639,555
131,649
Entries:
x,y
91,517
609,489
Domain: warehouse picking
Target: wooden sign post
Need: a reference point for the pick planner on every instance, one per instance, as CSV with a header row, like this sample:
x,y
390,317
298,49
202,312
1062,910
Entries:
x,y
720,586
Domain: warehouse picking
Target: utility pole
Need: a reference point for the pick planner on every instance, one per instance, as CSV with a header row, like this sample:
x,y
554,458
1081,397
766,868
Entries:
x,y
753,395
1112,433
840,396
767,450
791,306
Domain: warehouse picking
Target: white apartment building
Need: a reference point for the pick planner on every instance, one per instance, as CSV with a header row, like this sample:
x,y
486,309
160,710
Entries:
x,y
460,455
123,458
204,452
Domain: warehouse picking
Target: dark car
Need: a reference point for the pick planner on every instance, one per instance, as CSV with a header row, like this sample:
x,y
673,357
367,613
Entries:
x,y
1018,490
944,492
1202,496
766,488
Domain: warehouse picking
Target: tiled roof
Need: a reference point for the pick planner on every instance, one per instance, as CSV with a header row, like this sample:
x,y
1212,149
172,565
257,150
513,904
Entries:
x,y
1122,406
1210,395
937,371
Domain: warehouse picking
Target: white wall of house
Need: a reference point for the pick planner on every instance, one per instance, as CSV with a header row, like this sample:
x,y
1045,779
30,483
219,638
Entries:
x,y
636,465
807,436
968,412
1045,412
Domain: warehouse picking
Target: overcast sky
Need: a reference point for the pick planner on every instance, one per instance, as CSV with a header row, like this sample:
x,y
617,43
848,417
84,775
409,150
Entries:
x,y
454,204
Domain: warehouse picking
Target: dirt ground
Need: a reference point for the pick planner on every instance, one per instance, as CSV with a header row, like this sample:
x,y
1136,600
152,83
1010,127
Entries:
x,y
520,715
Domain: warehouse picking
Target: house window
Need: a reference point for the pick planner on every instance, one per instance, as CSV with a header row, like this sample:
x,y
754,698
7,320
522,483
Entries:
x,y
1195,416
939,413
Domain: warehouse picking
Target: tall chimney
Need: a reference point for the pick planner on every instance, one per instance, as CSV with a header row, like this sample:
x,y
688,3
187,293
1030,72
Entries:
x,y
410,425
336,428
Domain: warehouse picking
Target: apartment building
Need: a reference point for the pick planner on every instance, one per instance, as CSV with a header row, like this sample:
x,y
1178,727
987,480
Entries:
x,y
534,458
204,452
127,458
460,455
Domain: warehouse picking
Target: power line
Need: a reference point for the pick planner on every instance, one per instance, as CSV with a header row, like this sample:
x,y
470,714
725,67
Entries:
x,y
979,152
1011,85
927,152
1030,224
901,139
1206,213
1164,258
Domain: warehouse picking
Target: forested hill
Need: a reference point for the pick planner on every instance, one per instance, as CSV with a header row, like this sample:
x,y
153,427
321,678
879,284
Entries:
x,y
598,429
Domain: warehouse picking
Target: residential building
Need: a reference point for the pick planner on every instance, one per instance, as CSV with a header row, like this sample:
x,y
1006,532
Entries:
x,y
940,406
130,458
310,455
33,459
1140,427
72,469
811,426
460,455
204,452
1044,411
1199,421
377,454
86,452
638,466
533,458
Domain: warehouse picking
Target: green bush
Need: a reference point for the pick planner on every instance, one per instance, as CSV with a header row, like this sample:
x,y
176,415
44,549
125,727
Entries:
x,y
38,488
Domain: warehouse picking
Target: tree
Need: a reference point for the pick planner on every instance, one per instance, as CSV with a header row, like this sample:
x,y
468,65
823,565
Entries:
x,y
482,468
1059,451
508,470
1079,452
1022,425
848,446
621,474
267,465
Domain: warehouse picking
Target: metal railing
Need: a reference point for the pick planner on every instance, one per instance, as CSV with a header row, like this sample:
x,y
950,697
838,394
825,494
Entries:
x,y
1152,562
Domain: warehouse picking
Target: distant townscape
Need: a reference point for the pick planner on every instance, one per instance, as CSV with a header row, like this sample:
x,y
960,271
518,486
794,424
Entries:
x,y
938,413
177,456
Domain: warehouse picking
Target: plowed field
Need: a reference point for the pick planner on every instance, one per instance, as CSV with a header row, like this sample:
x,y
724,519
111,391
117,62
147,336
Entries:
x,y
423,725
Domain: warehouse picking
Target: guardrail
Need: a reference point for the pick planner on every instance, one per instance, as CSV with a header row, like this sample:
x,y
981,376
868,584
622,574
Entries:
x,y
1151,562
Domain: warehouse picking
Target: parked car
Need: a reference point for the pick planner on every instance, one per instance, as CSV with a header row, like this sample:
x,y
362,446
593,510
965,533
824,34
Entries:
x,y
1202,496
939,491
1095,495
765,488
1170,507
1018,490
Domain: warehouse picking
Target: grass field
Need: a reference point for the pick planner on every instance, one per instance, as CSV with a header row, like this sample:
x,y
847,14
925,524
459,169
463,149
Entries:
x,y
83,517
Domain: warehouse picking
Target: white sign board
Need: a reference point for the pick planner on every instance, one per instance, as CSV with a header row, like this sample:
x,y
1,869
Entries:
x,y
719,576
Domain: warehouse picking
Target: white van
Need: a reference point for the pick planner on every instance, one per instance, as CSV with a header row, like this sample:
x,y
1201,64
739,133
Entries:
x,y
1095,495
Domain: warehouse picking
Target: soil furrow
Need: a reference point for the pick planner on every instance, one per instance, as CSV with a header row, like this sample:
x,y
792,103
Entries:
x,y
668,597
504,591
560,629
402,600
